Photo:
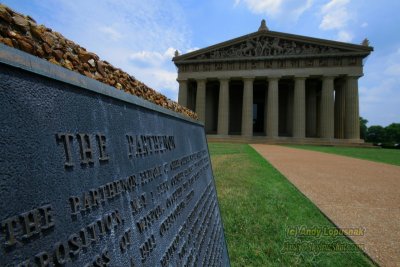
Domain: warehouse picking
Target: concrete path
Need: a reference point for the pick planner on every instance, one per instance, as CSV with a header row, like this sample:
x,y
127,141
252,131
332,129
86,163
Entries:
x,y
351,192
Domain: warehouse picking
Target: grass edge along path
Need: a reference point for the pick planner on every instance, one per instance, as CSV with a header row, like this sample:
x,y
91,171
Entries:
x,y
382,155
262,213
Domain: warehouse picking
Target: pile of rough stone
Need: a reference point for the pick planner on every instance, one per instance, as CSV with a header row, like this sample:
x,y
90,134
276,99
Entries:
x,y
22,32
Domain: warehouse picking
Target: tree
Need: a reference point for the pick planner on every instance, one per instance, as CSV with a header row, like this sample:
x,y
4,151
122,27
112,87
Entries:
x,y
376,134
363,128
393,133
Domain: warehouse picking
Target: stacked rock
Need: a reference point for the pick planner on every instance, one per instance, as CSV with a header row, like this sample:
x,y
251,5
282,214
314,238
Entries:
x,y
22,32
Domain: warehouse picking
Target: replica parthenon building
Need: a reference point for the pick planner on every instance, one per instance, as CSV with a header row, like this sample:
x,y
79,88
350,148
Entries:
x,y
275,86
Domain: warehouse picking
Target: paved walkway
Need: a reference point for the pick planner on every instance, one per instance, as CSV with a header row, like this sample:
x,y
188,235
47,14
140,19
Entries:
x,y
351,192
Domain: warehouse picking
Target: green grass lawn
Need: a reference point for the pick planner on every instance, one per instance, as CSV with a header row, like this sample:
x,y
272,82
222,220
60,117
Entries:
x,y
259,205
390,156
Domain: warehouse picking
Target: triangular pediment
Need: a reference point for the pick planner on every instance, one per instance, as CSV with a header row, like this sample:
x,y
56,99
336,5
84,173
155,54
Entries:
x,y
268,44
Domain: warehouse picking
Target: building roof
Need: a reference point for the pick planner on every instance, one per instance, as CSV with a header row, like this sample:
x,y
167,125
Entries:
x,y
265,44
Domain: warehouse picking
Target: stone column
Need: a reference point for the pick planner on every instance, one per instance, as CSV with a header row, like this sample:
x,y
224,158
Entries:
x,y
266,109
327,108
272,109
247,107
352,120
311,117
299,108
201,100
339,109
183,92
289,110
223,107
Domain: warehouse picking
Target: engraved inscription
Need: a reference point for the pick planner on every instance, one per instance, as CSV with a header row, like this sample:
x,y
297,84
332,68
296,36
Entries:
x,y
101,139
104,193
65,251
86,152
146,222
21,228
145,145
66,139
102,260
147,247
138,204
85,148
157,212
125,240
174,184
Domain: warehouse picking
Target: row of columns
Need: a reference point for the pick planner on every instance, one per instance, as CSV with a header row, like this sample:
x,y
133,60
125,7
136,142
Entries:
x,y
345,120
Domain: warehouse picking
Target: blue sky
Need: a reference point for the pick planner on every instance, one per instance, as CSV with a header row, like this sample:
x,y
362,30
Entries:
x,y
140,36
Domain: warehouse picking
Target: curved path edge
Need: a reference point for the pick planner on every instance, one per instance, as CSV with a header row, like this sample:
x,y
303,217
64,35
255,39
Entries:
x,y
352,193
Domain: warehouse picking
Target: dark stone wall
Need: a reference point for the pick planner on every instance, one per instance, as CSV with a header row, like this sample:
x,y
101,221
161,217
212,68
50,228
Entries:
x,y
86,178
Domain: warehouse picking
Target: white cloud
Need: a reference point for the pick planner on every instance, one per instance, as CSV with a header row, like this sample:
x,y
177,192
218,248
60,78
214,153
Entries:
x,y
170,53
333,5
153,68
113,33
292,9
153,57
269,7
191,49
335,15
364,25
344,36
301,9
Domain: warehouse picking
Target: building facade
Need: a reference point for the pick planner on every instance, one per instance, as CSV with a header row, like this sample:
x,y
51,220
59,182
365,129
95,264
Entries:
x,y
273,86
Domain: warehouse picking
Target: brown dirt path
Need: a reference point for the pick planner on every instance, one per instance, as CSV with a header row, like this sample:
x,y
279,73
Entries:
x,y
351,192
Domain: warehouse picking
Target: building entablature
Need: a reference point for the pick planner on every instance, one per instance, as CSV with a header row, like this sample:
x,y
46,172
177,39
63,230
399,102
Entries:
x,y
266,49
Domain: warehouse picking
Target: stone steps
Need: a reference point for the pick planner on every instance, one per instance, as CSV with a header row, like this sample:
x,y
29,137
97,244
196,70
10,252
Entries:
x,y
288,141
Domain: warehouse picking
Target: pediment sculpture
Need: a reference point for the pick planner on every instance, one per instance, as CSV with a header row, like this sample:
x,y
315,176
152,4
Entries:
x,y
264,46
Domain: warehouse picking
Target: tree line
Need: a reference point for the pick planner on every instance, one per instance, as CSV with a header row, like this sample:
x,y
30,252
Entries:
x,y
388,135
